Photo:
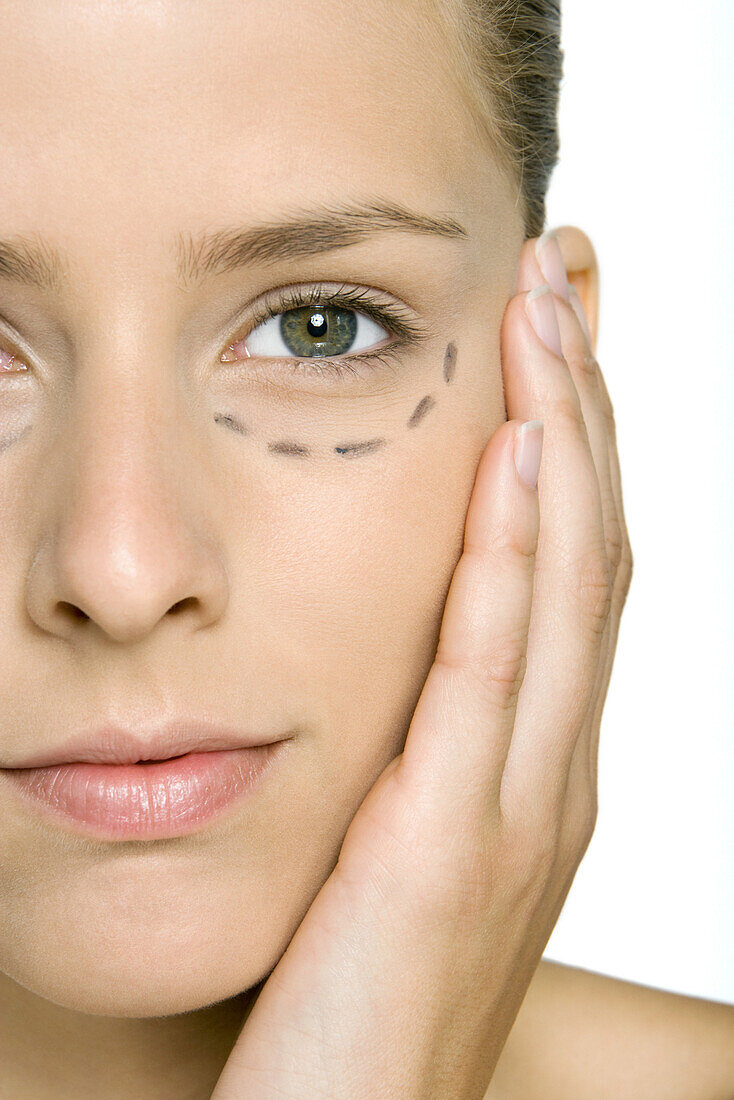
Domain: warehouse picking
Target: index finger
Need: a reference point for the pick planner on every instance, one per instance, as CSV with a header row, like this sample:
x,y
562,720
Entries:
x,y
462,727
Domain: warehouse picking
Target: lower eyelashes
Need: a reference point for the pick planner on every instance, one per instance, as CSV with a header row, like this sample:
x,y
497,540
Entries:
x,y
291,448
360,366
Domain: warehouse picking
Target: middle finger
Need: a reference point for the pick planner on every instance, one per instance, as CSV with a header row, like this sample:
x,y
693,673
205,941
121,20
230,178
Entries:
x,y
573,577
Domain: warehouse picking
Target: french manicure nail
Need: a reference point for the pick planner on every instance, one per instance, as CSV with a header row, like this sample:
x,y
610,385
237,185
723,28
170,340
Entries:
x,y
541,310
550,258
528,450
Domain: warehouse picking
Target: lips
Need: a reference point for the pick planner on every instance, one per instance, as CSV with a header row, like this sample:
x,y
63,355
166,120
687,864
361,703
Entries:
x,y
116,784
113,744
146,800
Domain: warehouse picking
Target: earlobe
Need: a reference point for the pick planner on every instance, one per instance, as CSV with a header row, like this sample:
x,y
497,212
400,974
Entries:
x,y
583,271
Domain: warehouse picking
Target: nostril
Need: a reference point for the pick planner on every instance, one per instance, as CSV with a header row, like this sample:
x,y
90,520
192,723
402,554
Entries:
x,y
181,605
74,612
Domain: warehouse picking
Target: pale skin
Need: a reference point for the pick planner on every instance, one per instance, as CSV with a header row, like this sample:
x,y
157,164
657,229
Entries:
x,y
181,533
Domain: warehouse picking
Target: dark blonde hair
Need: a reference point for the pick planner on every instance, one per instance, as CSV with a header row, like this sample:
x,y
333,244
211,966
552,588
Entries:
x,y
511,61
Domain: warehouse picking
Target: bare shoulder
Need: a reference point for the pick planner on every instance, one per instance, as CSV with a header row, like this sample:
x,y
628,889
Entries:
x,y
584,1036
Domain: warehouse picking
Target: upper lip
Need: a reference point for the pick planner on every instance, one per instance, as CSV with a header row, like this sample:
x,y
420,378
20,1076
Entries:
x,y
115,744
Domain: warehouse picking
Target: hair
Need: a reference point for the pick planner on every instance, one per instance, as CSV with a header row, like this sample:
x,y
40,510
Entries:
x,y
511,65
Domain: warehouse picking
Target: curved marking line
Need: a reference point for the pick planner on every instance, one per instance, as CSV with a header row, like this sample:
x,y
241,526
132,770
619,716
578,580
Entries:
x,y
449,362
423,406
5,443
351,449
230,422
286,448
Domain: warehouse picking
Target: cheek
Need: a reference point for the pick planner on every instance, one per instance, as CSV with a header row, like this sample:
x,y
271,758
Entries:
x,y
359,558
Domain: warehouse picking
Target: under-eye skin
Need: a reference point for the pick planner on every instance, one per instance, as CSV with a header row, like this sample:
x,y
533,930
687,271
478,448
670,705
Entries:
x,y
369,445
449,362
286,448
424,405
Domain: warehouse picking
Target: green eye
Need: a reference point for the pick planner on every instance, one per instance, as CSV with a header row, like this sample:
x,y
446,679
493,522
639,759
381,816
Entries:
x,y
318,330
313,331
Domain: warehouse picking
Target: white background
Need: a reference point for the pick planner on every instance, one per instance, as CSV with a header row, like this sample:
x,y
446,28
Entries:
x,y
646,170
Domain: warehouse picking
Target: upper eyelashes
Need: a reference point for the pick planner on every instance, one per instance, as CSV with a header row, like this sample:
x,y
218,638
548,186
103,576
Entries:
x,y
312,331
319,330
318,322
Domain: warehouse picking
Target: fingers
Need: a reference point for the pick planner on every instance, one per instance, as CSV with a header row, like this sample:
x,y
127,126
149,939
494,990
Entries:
x,y
599,420
586,375
598,416
623,577
463,723
573,575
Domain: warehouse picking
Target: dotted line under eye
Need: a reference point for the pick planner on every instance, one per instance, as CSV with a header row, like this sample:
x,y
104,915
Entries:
x,y
350,450
292,449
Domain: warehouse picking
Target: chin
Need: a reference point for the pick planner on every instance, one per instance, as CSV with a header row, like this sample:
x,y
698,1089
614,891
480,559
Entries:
x,y
140,930
168,936
111,971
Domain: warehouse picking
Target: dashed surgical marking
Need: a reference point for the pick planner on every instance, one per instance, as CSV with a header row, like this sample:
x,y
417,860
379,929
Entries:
x,y
424,405
449,362
351,449
5,443
286,448
230,422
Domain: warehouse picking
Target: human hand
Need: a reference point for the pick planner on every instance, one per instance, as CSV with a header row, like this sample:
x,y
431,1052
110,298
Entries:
x,y
406,974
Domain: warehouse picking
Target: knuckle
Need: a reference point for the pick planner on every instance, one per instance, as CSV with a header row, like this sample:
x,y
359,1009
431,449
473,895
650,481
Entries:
x,y
582,824
585,364
591,365
510,548
607,405
588,826
624,574
503,669
594,584
534,837
495,673
567,410
545,856
536,858
506,546
614,537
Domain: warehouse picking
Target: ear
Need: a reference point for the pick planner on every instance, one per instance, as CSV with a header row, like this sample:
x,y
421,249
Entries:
x,y
583,271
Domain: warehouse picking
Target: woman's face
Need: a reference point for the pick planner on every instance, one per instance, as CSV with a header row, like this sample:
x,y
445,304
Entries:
x,y
243,541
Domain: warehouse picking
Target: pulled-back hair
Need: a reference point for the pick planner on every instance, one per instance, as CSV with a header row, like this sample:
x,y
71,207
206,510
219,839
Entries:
x,y
511,59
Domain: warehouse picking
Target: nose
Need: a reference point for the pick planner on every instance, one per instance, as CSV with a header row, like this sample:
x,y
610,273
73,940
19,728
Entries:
x,y
126,531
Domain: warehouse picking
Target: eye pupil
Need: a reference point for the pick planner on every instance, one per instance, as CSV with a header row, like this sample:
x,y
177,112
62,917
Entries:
x,y
317,325
318,330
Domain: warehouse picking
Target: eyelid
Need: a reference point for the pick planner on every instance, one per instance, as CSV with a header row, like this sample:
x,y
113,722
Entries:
x,y
389,313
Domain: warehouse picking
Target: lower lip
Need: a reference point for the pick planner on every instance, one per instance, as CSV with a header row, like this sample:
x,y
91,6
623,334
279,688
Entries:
x,y
165,798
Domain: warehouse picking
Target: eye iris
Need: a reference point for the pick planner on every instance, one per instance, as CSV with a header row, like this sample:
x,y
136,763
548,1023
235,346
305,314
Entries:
x,y
318,330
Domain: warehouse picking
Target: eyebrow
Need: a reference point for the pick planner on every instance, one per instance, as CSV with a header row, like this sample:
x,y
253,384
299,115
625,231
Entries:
x,y
305,233
33,261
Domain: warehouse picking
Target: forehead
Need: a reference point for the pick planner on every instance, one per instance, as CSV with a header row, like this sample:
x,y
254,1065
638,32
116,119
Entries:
x,y
138,115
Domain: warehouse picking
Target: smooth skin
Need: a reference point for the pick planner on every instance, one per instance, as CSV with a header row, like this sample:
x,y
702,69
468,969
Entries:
x,y
155,562
455,868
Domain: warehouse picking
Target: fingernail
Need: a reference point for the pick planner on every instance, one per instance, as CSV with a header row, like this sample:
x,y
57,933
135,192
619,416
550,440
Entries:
x,y
578,307
541,309
528,449
550,259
